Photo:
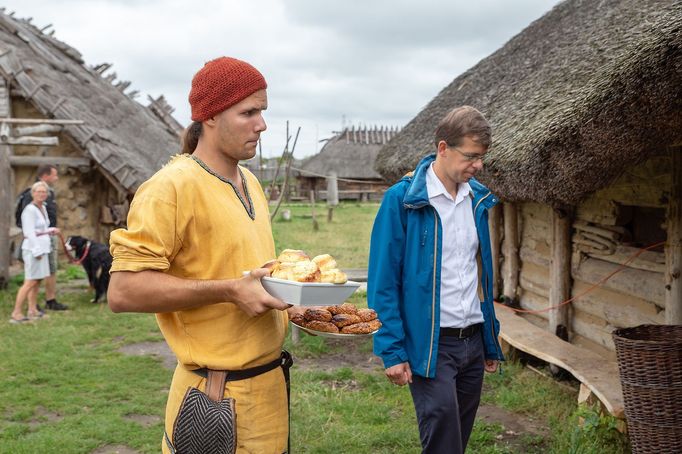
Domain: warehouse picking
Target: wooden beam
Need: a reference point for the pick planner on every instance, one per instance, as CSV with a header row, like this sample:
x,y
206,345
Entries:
x,y
593,370
39,129
34,161
31,140
560,273
673,246
511,252
494,223
646,285
5,191
40,121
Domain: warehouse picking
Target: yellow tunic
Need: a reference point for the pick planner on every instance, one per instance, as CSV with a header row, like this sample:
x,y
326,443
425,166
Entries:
x,y
188,223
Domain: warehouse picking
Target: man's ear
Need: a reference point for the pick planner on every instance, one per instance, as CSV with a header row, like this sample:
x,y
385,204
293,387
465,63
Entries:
x,y
442,146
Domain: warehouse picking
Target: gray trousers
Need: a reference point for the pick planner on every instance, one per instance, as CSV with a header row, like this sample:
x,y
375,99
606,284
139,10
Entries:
x,y
446,405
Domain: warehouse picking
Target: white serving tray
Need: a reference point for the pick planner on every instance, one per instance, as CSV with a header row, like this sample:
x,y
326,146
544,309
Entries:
x,y
309,293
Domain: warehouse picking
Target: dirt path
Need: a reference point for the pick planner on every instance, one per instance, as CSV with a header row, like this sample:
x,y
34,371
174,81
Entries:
x,y
517,428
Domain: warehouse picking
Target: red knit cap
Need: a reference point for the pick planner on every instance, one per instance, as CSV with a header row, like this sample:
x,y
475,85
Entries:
x,y
222,83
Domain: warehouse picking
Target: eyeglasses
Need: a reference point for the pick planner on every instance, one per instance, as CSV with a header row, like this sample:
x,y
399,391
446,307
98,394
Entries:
x,y
471,157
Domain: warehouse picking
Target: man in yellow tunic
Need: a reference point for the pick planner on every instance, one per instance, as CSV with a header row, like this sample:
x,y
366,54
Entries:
x,y
193,229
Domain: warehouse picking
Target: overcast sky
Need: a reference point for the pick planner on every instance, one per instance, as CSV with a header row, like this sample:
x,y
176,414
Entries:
x,y
326,62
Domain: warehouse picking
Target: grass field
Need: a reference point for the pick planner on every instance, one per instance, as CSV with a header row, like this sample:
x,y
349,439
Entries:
x,y
66,388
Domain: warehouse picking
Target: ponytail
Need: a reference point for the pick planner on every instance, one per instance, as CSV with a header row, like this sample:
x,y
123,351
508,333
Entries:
x,y
190,137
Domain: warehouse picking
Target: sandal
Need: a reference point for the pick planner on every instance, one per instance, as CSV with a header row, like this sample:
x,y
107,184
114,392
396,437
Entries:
x,y
17,321
36,316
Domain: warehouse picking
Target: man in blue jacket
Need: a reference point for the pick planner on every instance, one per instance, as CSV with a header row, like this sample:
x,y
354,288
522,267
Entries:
x,y
430,281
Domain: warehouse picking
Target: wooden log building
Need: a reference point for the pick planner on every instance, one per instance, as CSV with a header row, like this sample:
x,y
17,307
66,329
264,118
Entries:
x,y
55,109
349,155
586,109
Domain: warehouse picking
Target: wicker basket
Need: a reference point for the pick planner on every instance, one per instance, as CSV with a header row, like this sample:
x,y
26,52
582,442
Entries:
x,y
650,365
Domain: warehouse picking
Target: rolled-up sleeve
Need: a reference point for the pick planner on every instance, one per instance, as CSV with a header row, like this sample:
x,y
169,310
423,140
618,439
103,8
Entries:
x,y
151,239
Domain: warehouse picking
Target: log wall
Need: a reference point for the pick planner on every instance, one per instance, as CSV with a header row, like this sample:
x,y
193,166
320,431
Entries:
x,y
633,296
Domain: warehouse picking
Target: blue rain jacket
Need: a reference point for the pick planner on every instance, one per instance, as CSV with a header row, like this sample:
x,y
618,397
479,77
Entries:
x,y
403,283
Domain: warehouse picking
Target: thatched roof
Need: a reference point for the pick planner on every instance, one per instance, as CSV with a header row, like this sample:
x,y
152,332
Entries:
x,y
582,93
350,153
126,139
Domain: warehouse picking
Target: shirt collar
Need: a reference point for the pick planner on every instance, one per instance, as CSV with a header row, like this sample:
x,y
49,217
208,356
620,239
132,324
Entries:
x,y
435,187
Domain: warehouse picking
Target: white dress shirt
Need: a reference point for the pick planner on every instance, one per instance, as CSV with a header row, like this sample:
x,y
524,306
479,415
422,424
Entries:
x,y
459,303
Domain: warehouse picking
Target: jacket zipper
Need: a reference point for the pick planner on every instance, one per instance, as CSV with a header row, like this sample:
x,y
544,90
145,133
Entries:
x,y
433,288
485,287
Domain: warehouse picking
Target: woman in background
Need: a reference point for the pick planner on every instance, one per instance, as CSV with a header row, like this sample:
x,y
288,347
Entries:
x,y
35,248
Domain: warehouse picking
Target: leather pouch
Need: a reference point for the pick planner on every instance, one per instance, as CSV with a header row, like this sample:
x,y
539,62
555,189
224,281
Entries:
x,y
205,425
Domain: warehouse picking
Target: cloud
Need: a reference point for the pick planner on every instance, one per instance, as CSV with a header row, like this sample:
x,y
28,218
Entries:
x,y
375,62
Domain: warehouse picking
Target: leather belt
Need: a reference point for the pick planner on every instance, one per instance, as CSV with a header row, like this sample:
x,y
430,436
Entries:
x,y
233,375
461,333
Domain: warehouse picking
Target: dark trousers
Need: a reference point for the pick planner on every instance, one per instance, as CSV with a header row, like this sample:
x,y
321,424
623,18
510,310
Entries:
x,y
446,405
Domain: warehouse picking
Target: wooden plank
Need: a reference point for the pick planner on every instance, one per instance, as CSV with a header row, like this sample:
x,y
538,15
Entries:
x,y
647,260
597,210
30,161
535,220
620,310
593,328
673,247
642,284
495,225
534,256
6,196
40,121
560,275
599,374
534,302
31,140
38,129
511,251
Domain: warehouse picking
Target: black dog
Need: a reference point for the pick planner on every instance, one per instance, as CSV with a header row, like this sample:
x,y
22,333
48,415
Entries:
x,y
96,260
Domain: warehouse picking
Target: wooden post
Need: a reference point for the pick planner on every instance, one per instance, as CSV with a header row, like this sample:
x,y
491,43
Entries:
x,y
332,195
316,226
494,226
6,207
673,246
560,272
511,253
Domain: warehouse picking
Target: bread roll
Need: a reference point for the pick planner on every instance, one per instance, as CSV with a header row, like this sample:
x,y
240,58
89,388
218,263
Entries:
x,y
325,262
298,319
367,315
292,255
322,315
345,308
283,270
333,276
306,271
272,265
317,325
374,324
357,328
342,320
